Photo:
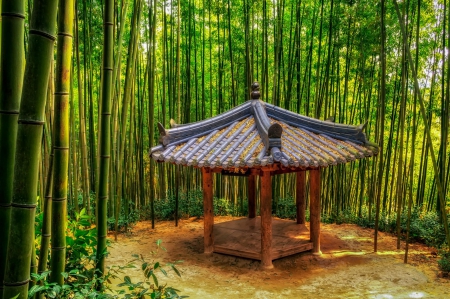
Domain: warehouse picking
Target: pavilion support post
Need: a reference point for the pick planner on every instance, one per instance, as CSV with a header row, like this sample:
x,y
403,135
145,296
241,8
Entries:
x,y
266,220
314,176
251,197
208,210
300,198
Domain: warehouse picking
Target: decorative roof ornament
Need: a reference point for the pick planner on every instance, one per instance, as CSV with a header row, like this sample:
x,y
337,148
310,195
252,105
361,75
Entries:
x,y
255,94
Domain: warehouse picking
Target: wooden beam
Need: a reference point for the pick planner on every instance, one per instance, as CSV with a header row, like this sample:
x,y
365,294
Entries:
x,y
240,172
251,197
208,209
300,198
266,220
314,190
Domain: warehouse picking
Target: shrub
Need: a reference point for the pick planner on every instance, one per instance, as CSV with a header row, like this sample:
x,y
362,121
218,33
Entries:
x,y
444,261
286,208
126,218
223,207
190,204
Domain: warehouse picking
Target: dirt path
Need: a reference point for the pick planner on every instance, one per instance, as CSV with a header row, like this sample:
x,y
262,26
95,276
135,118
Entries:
x,y
348,267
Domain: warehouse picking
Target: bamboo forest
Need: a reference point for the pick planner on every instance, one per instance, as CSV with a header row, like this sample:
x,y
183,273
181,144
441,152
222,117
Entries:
x,y
224,148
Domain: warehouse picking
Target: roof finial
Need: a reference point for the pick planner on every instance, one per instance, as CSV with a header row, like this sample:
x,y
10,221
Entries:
x,y
255,94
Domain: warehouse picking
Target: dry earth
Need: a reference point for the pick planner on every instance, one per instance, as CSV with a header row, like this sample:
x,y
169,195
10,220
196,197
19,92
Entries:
x,y
348,267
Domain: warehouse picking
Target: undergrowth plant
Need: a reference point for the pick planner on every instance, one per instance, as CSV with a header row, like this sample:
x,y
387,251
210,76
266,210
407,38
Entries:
x,y
444,260
127,218
190,204
82,280
150,286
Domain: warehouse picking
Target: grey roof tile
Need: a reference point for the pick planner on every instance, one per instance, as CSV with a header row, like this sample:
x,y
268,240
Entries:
x,y
257,134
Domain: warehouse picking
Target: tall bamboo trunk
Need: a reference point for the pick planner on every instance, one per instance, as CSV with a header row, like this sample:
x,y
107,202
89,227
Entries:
x,y
61,140
28,148
130,71
82,125
439,186
12,31
47,205
105,141
46,223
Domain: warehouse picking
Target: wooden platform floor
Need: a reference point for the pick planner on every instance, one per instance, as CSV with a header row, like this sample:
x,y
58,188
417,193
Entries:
x,y
242,238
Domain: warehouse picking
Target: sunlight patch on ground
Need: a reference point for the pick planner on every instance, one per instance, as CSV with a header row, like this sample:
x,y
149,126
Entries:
x,y
356,238
342,253
410,295
416,295
347,253
389,252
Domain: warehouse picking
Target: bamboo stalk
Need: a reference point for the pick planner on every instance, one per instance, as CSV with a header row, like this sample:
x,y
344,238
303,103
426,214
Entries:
x,y
427,127
105,148
61,140
29,140
11,79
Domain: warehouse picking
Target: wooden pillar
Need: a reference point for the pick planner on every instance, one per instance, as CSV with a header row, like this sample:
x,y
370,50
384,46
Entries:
x,y
251,197
266,220
314,189
300,199
208,210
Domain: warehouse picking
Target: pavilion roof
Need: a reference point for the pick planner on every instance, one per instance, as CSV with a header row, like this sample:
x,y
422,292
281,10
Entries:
x,y
255,134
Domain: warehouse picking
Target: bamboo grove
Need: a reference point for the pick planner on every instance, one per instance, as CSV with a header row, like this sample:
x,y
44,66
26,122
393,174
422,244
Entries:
x,y
77,119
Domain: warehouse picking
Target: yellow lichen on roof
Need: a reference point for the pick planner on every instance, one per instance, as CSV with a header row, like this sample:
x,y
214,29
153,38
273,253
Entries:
x,y
252,143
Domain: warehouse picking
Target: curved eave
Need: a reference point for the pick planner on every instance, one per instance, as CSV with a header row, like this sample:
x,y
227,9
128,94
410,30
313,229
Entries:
x,y
240,145
339,131
182,133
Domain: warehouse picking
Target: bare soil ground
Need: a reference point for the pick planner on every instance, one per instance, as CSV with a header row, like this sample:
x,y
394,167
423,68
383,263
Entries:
x,y
348,267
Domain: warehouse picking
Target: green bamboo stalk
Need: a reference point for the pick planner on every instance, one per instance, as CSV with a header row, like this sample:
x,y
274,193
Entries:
x,y
82,125
33,265
445,105
115,96
73,165
61,140
11,65
401,130
47,202
381,118
441,195
151,56
28,148
178,75
105,141
46,222
46,206
413,145
129,77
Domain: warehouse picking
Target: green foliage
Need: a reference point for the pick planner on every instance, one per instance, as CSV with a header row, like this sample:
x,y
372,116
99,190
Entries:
x,y
85,281
224,207
127,218
81,245
286,208
425,227
80,201
150,286
444,261
191,205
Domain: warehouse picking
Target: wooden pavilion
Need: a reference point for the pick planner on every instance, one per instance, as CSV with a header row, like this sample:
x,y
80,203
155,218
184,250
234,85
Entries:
x,y
260,139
